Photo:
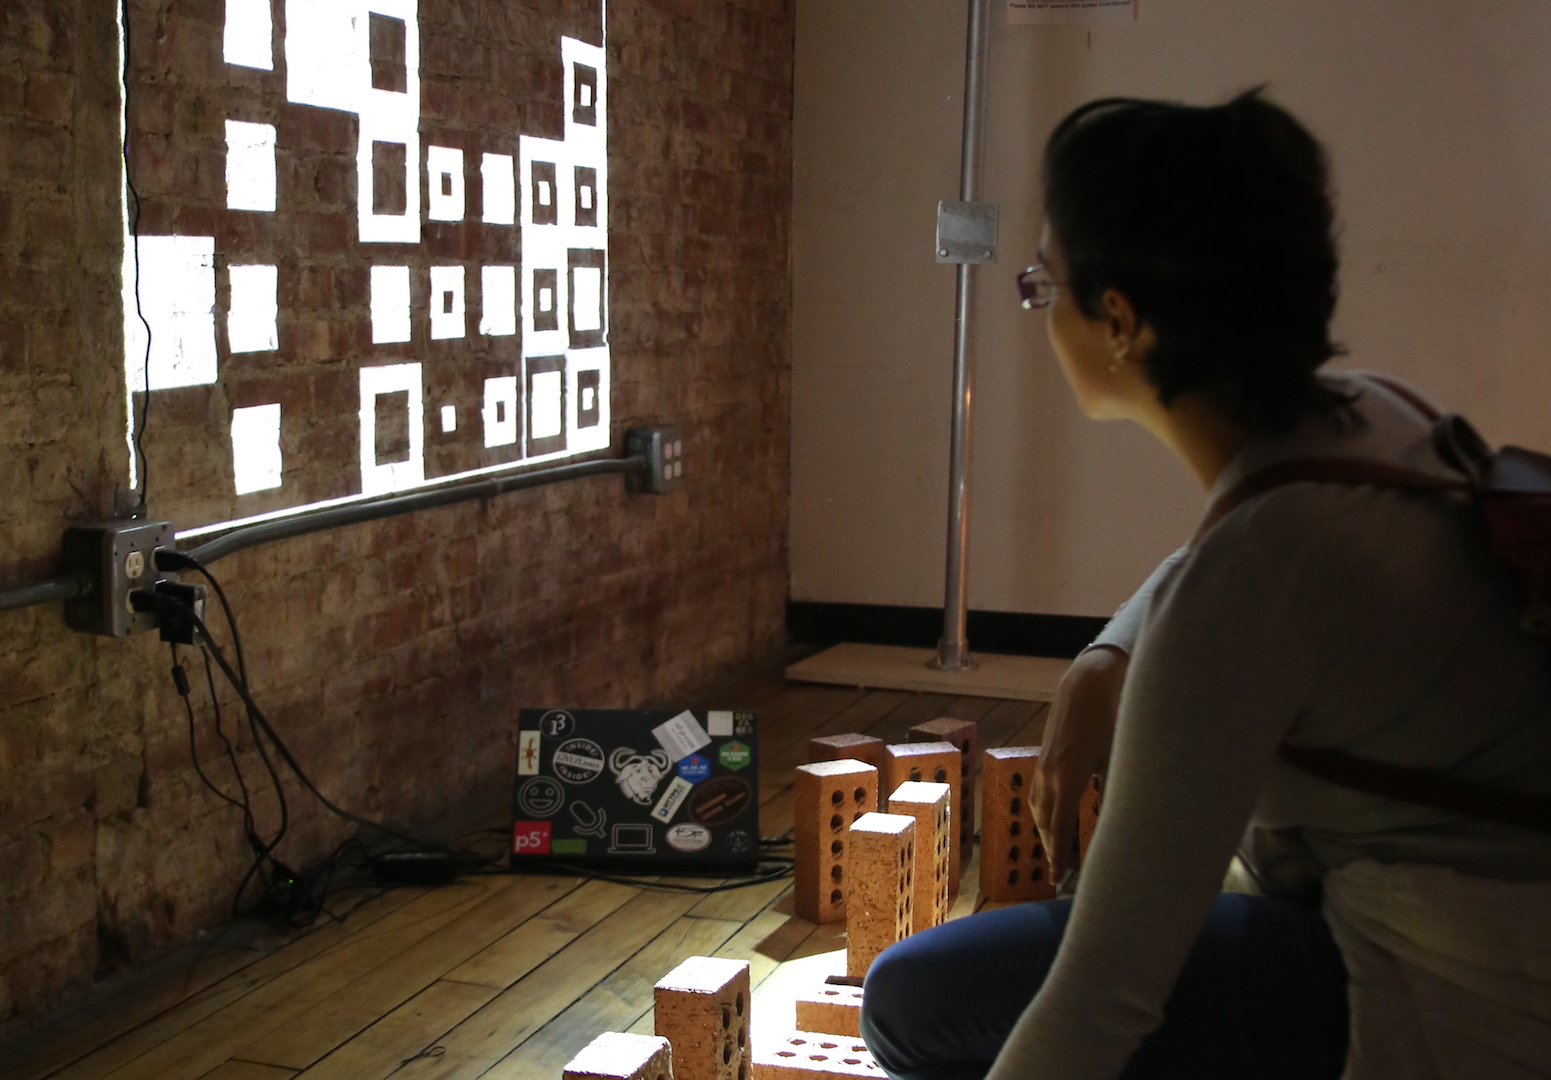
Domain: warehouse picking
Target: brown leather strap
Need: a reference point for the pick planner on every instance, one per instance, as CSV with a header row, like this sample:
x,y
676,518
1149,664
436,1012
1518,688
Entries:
x,y
1422,787
1322,471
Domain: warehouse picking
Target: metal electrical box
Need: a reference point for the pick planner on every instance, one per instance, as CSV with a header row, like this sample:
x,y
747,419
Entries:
x,y
117,557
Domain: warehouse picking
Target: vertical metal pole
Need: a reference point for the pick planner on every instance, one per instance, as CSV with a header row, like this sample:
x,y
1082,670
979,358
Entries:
x,y
953,648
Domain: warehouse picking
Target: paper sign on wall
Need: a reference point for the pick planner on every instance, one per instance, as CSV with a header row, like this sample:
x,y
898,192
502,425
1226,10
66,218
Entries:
x,y
1050,12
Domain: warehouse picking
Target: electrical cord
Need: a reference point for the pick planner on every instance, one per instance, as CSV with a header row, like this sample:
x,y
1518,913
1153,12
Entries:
x,y
778,866
133,222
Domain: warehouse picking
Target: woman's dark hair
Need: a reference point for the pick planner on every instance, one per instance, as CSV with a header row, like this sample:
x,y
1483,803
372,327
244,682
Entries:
x,y
1216,224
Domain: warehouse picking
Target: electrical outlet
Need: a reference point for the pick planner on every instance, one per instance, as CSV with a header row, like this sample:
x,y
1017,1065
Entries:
x,y
116,557
663,447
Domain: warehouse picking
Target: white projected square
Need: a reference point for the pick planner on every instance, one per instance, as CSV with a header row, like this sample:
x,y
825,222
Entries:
x,y
250,166
256,448
449,419
587,298
545,197
444,169
390,304
548,395
500,412
446,302
177,298
251,320
498,309
248,34
546,300
392,475
495,177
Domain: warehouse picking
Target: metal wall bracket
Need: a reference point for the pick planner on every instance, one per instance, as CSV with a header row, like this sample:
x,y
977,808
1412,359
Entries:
x,y
966,232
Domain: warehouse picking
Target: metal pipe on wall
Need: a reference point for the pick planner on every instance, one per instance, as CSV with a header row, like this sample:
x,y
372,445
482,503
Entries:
x,y
953,648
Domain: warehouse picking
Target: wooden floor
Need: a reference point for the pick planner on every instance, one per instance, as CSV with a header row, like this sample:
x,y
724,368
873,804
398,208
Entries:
x,y
498,977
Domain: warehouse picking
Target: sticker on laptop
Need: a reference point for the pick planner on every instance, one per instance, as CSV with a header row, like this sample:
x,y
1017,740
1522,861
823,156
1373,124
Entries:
x,y
578,761
639,774
719,801
718,722
695,768
527,753
672,799
540,797
687,836
530,838
681,736
557,723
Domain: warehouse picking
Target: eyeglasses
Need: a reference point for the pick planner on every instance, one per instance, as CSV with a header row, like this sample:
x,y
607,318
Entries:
x,y
1036,288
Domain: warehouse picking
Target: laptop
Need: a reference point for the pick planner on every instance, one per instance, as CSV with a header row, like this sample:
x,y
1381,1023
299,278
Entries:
x,y
636,790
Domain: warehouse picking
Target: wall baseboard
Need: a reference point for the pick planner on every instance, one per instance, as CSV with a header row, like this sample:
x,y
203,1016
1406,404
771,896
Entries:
x,y
816,623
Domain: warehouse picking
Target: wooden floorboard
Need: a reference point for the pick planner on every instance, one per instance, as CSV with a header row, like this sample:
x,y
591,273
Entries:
x,y
502,977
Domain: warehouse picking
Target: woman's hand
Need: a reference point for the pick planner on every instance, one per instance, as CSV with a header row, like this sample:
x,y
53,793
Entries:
x,y
1077,742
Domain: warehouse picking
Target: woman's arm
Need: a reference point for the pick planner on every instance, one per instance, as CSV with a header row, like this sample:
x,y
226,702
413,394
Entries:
x,y
1212,688
1081,728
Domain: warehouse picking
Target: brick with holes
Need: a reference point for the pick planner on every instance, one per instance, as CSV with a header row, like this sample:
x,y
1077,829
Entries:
x,y
931,806
965,734
830,1007
880,865
807,1055
935,763
827,796
702,1008
868,748
1012,859
617,1056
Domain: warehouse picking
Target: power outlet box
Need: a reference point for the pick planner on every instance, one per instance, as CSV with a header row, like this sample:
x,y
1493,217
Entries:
x,y
117,557
663,447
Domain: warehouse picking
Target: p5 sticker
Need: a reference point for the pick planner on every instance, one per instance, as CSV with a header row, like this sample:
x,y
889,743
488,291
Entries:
x,y
530,838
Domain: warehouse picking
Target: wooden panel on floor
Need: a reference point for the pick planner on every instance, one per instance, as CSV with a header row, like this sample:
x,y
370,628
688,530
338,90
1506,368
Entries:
x,y
475,1045
614,1003
248,1070
894,667
350,1009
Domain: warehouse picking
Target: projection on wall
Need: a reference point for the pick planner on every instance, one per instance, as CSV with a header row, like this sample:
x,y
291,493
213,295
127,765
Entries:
x,y
464,326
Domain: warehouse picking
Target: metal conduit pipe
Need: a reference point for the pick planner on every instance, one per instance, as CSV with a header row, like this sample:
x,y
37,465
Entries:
x,y
69,586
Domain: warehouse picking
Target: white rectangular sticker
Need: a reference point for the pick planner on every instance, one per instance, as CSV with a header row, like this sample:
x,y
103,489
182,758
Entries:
x,y
719,722
671,799
681,736
1050,12
527,753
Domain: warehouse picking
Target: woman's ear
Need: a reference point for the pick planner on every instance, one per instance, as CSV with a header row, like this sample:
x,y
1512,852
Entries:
x,y
1128,337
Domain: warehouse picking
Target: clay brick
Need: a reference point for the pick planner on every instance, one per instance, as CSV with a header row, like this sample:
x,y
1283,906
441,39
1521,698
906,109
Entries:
x,y
618,1056
965,734
807,1055
827,796
866,748
702,1009
937,763
832,1008
880,865
931,806
1012,859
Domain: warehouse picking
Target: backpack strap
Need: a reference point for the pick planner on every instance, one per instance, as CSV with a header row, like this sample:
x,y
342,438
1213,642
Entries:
x,y
1420,787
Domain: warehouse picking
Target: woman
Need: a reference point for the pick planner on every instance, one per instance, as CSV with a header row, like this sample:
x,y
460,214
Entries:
x,y
1189,273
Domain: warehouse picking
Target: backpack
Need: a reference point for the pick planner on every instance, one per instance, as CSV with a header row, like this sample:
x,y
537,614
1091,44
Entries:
x,y
1511,490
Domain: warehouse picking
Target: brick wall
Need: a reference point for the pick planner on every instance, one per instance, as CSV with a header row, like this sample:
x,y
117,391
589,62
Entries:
x,y
392,656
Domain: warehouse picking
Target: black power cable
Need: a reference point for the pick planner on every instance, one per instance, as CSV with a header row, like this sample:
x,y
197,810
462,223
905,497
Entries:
x,y
168,560
133,221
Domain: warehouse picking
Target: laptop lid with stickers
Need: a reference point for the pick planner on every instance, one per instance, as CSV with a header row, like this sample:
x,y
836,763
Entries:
x,y
636,789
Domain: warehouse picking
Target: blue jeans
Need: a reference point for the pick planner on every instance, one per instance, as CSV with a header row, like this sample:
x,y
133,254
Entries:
x,y
1262,995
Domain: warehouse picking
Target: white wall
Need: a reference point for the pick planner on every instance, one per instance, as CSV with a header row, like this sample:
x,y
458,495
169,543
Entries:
x,y
1437,115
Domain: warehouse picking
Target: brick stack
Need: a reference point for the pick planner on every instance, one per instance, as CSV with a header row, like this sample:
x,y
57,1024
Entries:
x,y
1012,859
880,864
702,1008
937,763
965,734
928,804
866,748
827,796
615,1055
